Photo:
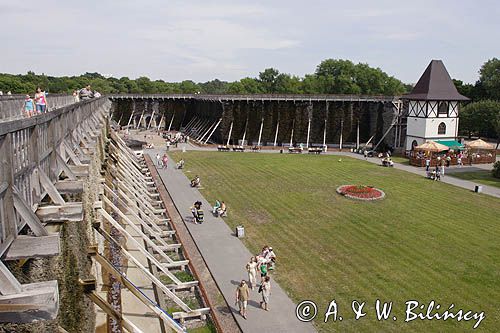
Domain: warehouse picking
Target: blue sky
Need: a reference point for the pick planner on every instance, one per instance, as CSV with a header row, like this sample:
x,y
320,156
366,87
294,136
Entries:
x,y
229,40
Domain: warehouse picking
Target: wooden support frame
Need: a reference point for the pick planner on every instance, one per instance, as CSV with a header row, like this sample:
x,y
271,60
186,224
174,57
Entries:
x,y
130,238
133,289
27,215
108,309
153,279
49,187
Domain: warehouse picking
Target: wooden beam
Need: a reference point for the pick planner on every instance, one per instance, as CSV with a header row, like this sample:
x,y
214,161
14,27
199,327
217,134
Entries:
x,y
26,247
8,282
71,211
35,301
79,170
67,171
106,307
27,214
69,186
49,187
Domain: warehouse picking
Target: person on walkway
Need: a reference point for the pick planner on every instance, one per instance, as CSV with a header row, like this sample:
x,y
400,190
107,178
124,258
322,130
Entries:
x,y
168,145
216,207
40,100
263,271
242,295
265,289
158,159
443,163
221,212
76,97
165,161
252,272
197,212
459,160
196,182
29,107
437,173
427,163
180,165
365,154
86,93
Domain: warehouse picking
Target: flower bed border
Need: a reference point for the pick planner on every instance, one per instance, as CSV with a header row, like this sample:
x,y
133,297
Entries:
x,y
340,188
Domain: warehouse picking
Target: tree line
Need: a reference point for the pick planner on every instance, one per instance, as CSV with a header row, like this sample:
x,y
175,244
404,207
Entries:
x,y
481,117
332,76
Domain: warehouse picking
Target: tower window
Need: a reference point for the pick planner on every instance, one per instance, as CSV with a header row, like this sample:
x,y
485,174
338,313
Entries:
x,y
443,108
442,128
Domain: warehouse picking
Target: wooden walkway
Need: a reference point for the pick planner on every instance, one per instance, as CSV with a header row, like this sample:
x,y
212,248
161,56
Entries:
x,y
226,257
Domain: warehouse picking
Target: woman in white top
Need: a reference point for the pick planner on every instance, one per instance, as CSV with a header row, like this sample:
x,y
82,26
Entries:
x,y
252,272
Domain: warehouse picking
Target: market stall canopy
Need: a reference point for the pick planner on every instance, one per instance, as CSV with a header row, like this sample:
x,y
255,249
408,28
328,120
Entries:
x,y
452,144
432,147
480,144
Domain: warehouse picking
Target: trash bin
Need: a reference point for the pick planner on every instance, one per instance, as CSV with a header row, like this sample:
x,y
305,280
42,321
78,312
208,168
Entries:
x,y
240,231
281,151
478,188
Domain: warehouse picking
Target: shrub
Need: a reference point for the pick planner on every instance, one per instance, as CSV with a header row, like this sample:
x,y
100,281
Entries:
x,y
496,169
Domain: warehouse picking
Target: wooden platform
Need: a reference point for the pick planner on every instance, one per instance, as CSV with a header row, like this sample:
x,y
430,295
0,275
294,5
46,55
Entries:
x,y
36,301
26,247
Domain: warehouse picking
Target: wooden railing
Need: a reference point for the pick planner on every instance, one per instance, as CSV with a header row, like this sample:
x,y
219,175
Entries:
x,y
261,97
11,107
33,145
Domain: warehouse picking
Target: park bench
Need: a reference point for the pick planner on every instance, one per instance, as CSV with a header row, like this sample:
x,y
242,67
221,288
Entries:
x,y
255,148
315,150
295,150
223,148
239,148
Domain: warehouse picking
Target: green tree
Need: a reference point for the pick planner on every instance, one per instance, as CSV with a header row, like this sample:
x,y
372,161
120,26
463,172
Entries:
x,y
268,80
480,118
489,78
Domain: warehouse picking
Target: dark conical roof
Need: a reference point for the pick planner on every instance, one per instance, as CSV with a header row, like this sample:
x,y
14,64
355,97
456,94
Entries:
x,y
435,84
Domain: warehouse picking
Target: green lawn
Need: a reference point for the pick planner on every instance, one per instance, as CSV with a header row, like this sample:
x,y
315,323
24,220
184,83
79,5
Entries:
x,y
482,177
425,241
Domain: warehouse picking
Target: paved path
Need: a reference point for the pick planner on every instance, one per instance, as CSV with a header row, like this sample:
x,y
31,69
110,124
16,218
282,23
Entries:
x,y
226,257
466,184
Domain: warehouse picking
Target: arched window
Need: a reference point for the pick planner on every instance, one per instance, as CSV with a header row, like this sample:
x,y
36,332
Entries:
x,y
414,144
443,108
442,128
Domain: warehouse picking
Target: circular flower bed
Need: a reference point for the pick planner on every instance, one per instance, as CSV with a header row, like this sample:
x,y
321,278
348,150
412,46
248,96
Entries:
x,y
361,192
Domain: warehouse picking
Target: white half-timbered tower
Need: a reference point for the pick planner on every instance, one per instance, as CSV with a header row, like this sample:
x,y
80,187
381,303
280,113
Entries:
x,y
433,107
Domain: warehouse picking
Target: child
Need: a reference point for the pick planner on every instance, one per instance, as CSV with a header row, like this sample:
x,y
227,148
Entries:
x,y
29,106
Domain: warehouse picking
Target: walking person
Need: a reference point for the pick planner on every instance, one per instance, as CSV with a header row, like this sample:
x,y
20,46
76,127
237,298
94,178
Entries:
x,y
265,289
168,145
365,153
443,163
29,107
40,101
427,163
263,271
165,161
252,272
158,159
242,295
